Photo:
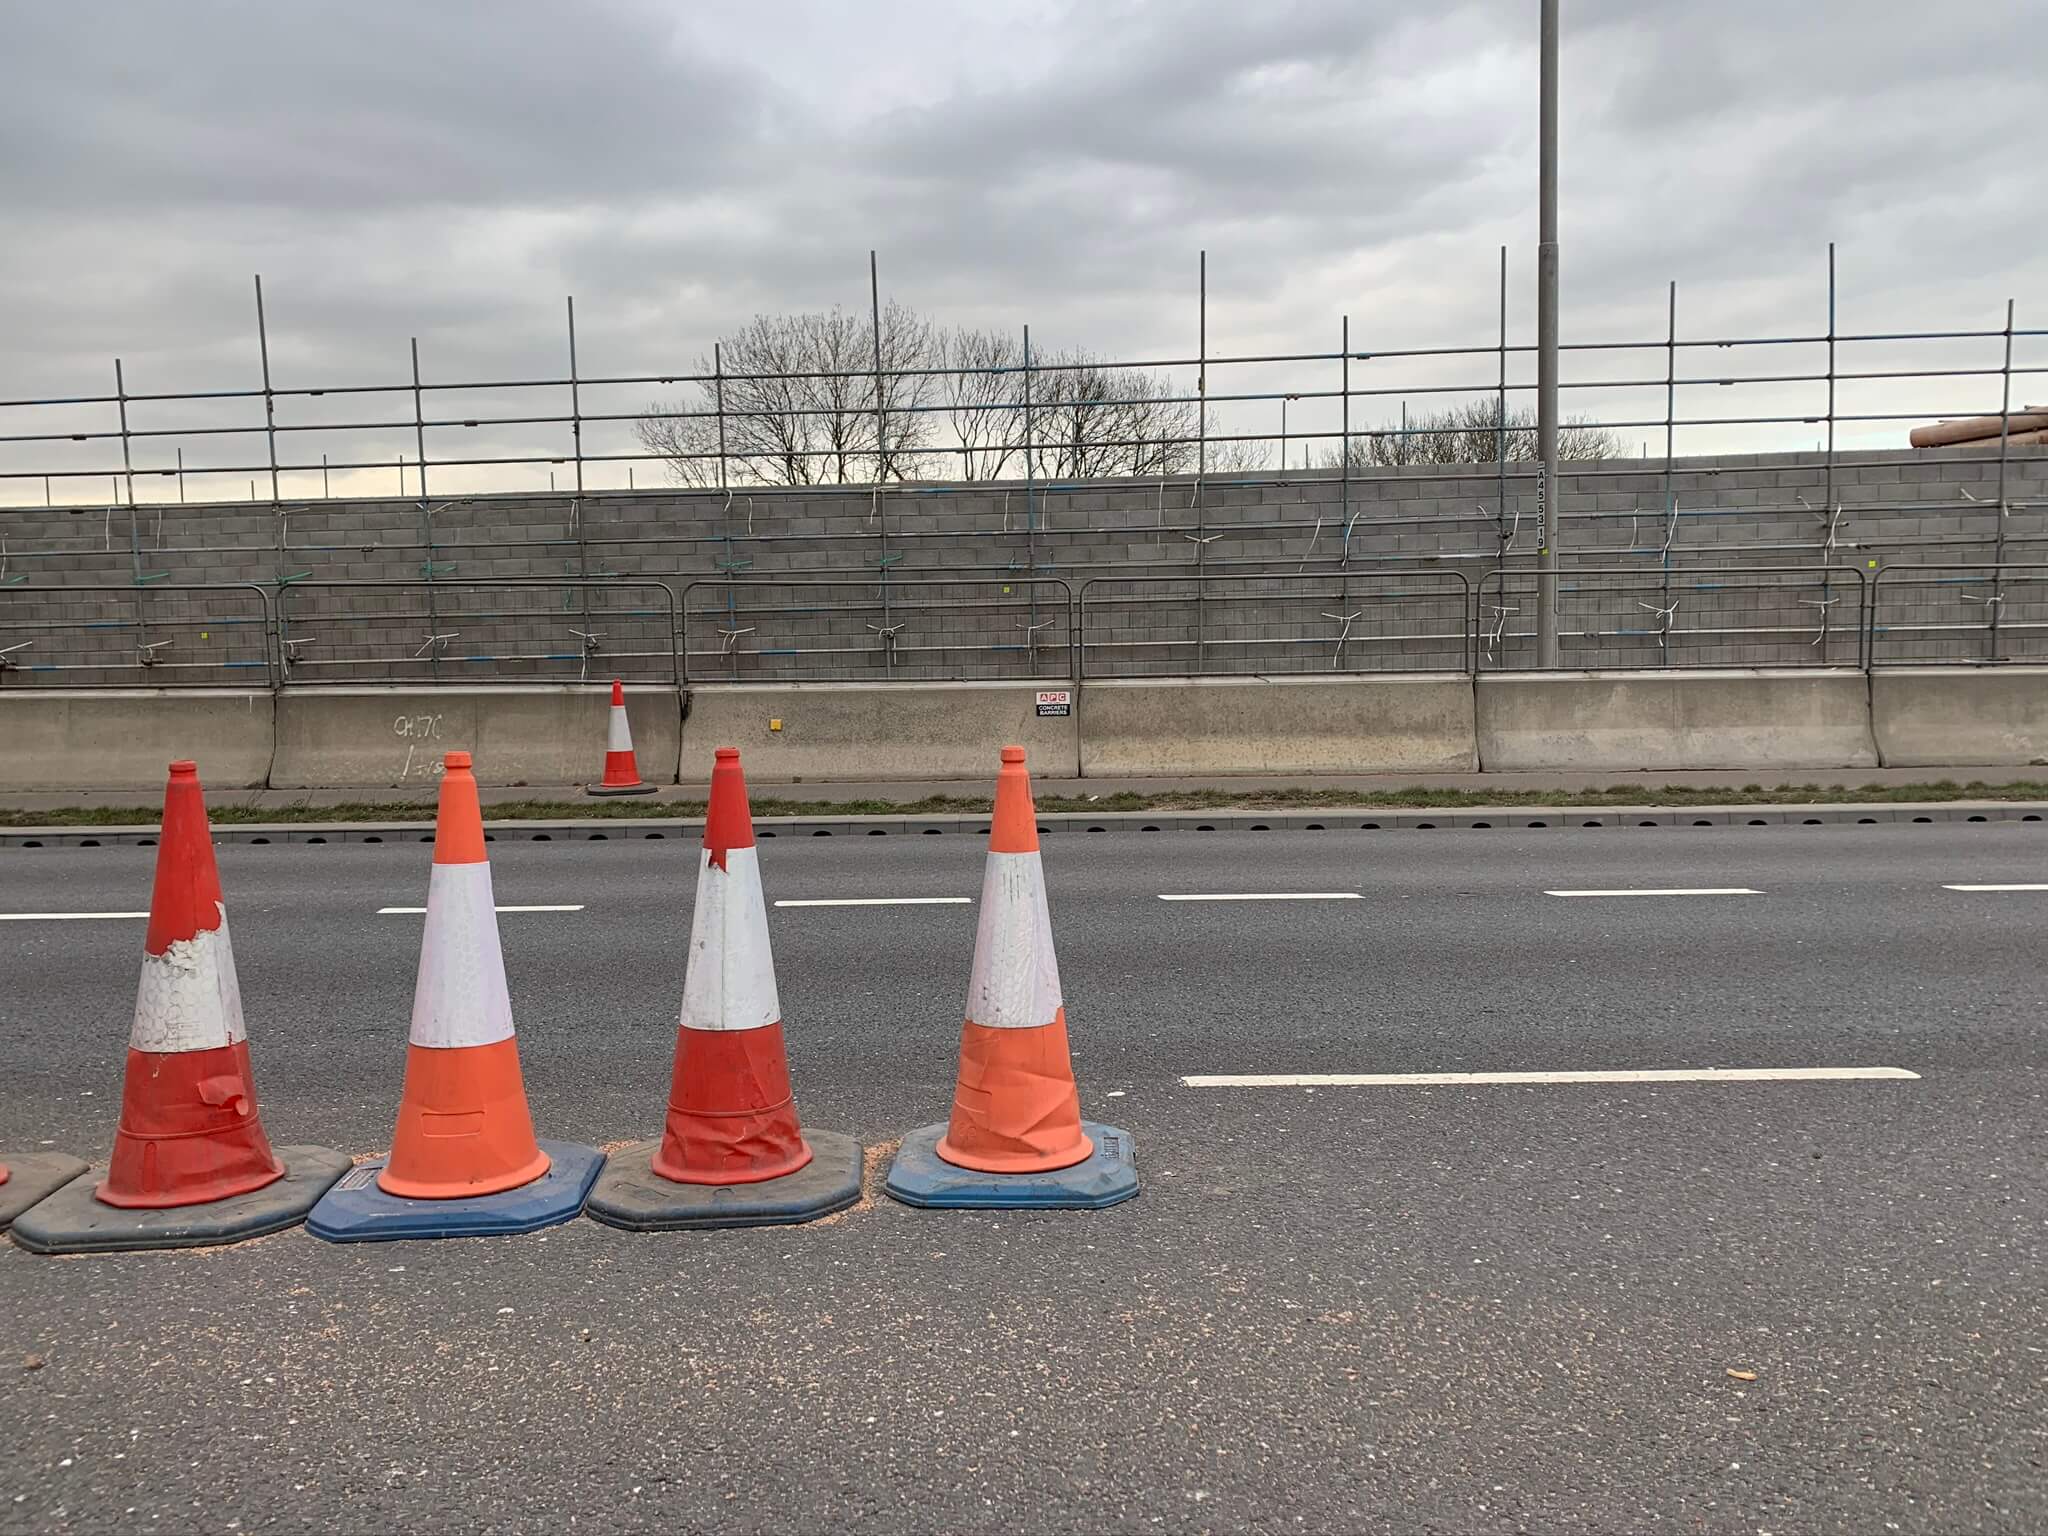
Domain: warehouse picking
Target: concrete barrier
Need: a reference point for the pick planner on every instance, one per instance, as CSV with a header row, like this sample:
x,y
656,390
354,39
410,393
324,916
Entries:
x,y
125,738
338,738
865,731
1925,717
1589,721
1228,725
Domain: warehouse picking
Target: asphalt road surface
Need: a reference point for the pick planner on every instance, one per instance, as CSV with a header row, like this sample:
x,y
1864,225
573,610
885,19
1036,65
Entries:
x,y
1464,1308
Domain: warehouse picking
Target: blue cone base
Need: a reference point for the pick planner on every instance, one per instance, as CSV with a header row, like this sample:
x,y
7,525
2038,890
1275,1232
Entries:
x,y
633,1196
357,1211
74,1220
1109,1175
31,1178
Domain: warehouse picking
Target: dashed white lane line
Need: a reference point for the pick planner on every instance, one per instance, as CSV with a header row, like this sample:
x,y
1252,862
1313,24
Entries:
x,y
62,917
1511,1079
416,911
1995,887
1263,896
1701,890
880,901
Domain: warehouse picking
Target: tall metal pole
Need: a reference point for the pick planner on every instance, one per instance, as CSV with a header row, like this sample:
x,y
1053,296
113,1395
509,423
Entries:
x,y
419,427
1547,509
881,458
718,398
270,400
575,407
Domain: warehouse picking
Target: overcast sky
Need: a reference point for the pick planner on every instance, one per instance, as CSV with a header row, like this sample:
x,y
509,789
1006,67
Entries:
x,y
450,171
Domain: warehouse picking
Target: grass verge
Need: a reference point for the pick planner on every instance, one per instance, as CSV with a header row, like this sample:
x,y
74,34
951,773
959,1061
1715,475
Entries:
x,y
1416,798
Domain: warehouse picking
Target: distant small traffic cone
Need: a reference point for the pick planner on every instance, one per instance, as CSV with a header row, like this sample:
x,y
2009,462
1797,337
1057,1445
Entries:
x,y
189,1132
1016,1137
1015,1106
621,769
731,1115
463,1124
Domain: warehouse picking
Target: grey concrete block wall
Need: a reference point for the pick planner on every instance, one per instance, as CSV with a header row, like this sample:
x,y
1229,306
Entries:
x,y
1755,510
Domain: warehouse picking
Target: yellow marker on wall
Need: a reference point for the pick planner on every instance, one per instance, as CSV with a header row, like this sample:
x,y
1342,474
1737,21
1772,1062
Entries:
x,y
774,725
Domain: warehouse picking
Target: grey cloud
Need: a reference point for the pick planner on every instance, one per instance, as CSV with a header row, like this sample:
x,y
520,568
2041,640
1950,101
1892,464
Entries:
x,y
451,170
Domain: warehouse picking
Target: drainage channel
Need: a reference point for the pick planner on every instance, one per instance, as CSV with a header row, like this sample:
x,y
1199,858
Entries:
x,y
1354,819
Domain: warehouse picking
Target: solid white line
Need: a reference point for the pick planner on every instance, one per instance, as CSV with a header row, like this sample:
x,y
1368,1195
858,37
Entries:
x,y
1995,887
416,911
881,901
1489,1079
61,917
1705,890
1266,896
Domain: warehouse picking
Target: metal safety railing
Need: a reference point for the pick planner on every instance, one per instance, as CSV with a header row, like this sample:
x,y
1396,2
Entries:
x,y
1630,617
468,631
1982,614
1330,621
877,628
153,635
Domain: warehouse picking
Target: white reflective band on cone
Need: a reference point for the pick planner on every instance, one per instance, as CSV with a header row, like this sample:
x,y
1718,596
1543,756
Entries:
x,y
618,734
460,997
189,999
730,983
1016,981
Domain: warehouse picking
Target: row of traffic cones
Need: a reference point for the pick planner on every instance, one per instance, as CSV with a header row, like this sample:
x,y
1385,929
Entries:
x,y
192,1164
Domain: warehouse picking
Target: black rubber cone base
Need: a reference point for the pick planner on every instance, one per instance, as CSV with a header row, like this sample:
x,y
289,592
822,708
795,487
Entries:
x,y
1109,1175
642,788
632,1195
74,1221
31,1177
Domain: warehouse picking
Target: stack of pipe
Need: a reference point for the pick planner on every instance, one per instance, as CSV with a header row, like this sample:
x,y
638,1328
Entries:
x,y
2029,424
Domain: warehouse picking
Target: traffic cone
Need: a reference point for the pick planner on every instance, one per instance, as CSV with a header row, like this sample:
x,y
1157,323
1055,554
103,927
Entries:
x,y
189,1134
463,1158
189,1130
1016,1136
621,769
732,1152
463,1125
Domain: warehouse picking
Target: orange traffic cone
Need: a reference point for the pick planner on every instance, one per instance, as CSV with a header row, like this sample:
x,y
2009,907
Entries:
x,y
1015,1106
732,1152
731,1116
463,1125
191,1163
464,1161
189,1131
621,768
1016,1136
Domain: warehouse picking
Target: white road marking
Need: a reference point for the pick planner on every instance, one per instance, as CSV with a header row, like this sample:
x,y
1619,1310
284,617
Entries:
x,y
418,911
62,917
1704,890
1266,896
881,901
1509,1079
1995,887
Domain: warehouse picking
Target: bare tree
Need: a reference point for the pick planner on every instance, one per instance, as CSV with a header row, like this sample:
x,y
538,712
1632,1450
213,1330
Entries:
x,y
797,398
1092,420
983,392
796,401
688,444
1471,432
